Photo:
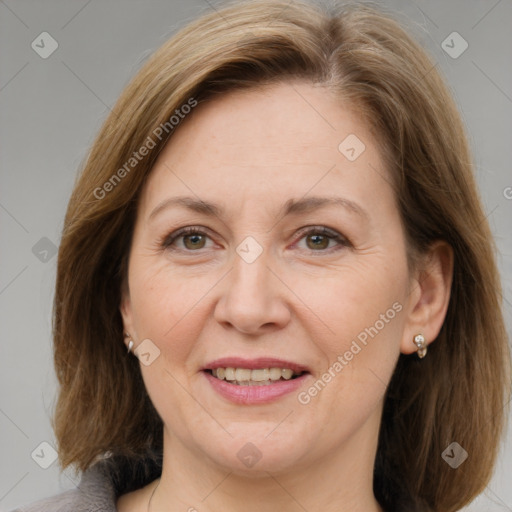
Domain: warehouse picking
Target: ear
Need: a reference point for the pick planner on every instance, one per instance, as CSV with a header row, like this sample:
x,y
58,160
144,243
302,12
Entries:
x,y
125,307
429,296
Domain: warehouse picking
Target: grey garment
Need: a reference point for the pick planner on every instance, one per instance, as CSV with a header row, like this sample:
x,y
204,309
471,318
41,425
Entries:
x,y
100,486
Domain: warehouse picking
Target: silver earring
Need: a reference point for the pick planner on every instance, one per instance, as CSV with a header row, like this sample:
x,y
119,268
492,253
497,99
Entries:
x,y
419,341
130,344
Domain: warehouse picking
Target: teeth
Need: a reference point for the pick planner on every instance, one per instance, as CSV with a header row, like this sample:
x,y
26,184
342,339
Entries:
x,y
275,373
286,373
260,376
241,374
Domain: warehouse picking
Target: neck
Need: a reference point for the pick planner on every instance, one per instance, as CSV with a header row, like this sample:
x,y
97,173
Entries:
x,y
340,481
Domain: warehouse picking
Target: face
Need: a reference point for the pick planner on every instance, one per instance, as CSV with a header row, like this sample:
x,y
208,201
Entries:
x,y
293,264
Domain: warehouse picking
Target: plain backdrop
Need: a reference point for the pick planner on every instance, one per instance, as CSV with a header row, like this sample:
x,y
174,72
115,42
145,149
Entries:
x,y
51,109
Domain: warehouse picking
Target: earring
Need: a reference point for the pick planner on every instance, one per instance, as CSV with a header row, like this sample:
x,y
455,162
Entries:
x,y
419,341
130,344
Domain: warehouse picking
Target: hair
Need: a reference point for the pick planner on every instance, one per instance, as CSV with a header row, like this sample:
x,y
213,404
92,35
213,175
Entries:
x,y
457,393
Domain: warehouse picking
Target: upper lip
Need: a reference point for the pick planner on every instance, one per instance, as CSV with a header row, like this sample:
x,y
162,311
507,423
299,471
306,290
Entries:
x,y
254,364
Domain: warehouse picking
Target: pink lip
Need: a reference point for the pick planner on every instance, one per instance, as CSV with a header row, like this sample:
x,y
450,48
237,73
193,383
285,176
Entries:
x,y
248,395
254,394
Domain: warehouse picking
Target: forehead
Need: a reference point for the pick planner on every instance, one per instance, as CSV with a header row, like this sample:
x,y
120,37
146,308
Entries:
x,y
279,141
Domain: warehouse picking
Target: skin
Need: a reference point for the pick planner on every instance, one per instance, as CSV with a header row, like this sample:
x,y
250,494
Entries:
x,y
249,152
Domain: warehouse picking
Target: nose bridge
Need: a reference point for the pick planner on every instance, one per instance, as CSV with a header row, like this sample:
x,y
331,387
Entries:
x,y
252,297
251,276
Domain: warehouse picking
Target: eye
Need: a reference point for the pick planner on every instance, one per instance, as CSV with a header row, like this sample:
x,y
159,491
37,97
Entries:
x,y
192,239
319,238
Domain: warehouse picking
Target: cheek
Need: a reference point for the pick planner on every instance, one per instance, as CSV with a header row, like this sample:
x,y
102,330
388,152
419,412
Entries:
x,y
361,301
364,313
362,309
166,309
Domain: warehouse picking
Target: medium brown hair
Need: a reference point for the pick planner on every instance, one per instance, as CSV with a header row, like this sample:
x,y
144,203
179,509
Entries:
x,y
457,393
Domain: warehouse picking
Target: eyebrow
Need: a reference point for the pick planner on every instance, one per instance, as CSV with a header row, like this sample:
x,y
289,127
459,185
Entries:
x,y
290,207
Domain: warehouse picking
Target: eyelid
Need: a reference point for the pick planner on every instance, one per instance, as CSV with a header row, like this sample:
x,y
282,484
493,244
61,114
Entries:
x,y
322,230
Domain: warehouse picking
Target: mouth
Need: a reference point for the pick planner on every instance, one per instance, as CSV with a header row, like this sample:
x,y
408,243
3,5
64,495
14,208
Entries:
x,y
252,381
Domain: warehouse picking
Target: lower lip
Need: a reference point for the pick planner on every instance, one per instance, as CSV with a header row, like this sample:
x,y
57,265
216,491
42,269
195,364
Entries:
x,y
247,395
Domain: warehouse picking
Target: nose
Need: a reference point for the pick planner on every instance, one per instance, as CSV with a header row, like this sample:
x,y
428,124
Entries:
x,y
253,300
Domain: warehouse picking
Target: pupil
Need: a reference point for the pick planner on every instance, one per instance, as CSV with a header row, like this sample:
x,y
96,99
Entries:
x,y
319,238
195,239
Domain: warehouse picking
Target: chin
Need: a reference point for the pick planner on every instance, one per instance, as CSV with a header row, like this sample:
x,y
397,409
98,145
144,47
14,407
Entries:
x,y
256,456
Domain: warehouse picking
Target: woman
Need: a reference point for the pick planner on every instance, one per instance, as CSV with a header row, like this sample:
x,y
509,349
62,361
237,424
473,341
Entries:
x,y
276,284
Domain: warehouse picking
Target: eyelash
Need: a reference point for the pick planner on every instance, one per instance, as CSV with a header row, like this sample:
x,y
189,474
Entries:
x,y
167,242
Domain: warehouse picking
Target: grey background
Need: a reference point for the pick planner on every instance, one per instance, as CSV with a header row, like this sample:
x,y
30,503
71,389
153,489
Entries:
x,y
51,110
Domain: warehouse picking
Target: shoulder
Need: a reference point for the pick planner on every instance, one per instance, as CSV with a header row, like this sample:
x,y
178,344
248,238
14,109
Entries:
x,y
100,486
65,502
94,492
